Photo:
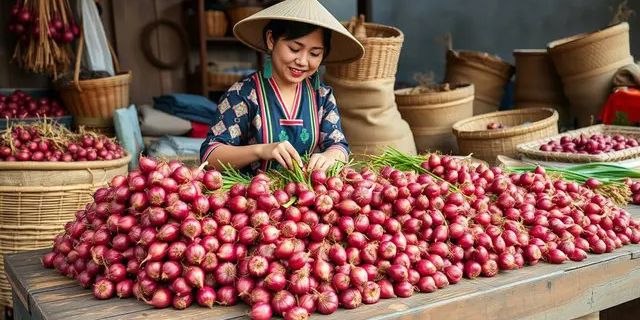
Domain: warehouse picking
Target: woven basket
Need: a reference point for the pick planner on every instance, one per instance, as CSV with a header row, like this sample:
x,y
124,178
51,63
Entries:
x,y
521,126
586,63
217,23
488,74
238,13
93,101
221,80
381,55
432,114
538,84
38,198
531,148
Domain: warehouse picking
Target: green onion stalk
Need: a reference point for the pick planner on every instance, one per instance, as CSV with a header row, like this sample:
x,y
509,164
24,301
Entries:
x,y
297,174
278,177
612,178
231,176
396,159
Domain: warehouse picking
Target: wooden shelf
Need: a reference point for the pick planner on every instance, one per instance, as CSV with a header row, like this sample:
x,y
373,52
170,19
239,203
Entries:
x,y
217,89
223,39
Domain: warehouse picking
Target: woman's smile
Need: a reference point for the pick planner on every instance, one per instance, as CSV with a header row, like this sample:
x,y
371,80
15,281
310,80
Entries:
x,y
296,73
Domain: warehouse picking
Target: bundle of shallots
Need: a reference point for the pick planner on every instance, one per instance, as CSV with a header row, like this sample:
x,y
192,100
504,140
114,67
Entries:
x,y
45,29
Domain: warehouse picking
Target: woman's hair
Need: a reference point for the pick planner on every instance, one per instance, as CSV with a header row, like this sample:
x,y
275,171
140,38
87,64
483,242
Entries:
x,y
290,30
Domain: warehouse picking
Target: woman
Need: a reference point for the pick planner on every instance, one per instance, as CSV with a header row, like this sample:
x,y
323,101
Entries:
x,y
273,117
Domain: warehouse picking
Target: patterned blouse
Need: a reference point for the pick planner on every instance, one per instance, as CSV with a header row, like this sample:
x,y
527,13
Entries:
x,y
252,112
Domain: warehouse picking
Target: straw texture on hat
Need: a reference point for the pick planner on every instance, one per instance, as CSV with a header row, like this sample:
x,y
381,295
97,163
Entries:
x,y
344,46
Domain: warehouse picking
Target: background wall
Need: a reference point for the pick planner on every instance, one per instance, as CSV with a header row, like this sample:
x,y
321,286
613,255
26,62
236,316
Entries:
x,y
494,26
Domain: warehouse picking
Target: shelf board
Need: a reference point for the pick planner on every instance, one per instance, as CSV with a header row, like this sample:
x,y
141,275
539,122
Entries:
x,y
223,39
217,88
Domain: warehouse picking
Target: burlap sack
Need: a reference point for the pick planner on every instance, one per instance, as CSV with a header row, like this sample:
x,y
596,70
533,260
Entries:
x,y
370,117
627,76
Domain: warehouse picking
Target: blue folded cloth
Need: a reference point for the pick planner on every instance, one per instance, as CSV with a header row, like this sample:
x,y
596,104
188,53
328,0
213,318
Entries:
x,y
187,106
125,121
185,145
175,146
161,148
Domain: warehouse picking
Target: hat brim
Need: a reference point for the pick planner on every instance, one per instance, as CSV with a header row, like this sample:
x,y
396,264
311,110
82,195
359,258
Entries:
x,y
344,47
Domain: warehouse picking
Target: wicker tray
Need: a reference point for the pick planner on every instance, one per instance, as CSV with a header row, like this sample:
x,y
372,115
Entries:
x,y
531,149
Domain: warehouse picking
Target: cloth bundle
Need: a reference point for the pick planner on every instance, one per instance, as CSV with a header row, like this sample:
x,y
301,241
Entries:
x,y
171,146
187,106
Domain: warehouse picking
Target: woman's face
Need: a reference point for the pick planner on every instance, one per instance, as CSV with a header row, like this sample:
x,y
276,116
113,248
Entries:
x,y
295,60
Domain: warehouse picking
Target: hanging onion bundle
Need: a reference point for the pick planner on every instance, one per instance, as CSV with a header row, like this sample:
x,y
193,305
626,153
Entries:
x,y
45,29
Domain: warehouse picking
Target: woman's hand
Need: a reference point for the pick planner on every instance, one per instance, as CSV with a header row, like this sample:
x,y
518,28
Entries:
x,y
320,161
323,161
283,152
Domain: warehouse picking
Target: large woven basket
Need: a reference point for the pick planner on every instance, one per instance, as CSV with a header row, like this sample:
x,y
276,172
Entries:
x,y
538,84
522,125
586,63
38,198
432,114
382,47
488,73
531,149
93,101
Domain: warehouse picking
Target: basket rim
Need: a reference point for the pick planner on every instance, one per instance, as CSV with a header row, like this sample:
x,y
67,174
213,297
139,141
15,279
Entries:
x,y
530,149
434,100
40,189
398,33
460,88
586,38
120,76
481,60
530,52
79,165
506,132
66,117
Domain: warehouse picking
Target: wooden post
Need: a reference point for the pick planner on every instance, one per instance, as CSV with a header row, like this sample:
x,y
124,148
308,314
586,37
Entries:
x,y
203,49
364,7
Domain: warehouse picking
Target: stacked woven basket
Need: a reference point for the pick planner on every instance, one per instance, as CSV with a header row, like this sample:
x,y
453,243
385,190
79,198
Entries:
x,y
365,92
489,74
431,113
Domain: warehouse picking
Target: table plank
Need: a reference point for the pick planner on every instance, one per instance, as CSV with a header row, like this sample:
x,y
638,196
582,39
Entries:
x,y
552,286
544,291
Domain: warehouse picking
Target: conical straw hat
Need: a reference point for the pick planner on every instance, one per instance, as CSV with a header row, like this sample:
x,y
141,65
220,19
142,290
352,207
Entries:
x,y
344,47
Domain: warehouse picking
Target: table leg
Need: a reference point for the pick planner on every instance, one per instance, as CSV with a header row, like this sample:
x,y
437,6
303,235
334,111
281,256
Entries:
x,y
591,316
627,311
19,310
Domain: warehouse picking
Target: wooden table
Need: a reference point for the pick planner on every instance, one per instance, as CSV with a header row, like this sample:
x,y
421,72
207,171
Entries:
x,y
544,291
